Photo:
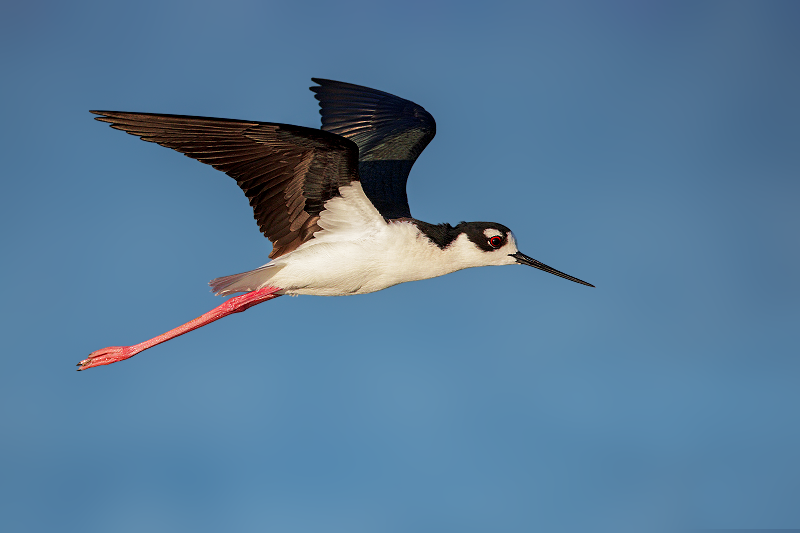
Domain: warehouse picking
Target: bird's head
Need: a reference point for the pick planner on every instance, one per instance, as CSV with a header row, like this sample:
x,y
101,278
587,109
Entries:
x,y
494,244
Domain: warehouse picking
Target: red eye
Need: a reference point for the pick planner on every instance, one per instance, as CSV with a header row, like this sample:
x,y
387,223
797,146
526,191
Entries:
x,y
496,241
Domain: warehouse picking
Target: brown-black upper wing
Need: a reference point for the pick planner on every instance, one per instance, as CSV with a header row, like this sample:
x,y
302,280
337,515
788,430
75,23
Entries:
x,y
287,172
390,133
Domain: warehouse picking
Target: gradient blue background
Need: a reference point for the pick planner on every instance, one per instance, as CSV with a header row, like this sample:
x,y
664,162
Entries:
x,y
651,148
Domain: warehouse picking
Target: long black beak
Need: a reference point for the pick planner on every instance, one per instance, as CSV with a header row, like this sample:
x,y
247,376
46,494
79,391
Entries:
x,y
530,261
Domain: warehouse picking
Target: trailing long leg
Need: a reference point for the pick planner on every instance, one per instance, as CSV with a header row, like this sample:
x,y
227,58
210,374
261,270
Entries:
x,y
237,304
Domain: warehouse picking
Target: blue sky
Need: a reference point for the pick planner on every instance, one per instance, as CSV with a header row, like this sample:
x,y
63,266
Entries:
x,y
650,148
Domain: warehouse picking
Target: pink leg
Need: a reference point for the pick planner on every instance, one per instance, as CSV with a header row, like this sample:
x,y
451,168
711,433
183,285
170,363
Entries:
x,y
237,304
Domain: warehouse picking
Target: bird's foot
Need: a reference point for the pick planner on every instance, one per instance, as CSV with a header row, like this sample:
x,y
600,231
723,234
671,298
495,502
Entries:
x,y
106,356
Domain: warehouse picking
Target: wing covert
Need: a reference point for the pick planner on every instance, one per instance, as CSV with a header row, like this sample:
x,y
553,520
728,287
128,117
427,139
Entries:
x,y
287,172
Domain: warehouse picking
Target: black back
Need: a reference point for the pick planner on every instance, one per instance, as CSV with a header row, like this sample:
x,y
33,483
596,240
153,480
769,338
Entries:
x,y
390,133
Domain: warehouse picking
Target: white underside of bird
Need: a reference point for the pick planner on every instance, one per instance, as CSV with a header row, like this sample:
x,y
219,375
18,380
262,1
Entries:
x,y
358,252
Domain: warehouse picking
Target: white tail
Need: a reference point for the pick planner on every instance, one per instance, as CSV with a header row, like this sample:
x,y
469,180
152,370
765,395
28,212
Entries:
x,y
244,282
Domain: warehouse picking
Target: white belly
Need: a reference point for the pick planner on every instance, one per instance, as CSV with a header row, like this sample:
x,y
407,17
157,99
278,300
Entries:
x,y
396,255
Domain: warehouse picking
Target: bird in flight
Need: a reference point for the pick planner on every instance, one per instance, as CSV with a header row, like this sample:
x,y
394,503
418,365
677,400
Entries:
x,y
332,201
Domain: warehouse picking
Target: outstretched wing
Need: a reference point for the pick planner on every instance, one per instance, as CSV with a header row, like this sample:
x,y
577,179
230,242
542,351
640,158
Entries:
x,y
287,172
390,133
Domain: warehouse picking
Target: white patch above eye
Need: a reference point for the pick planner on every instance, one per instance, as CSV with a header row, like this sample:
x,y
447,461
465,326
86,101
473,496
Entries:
x,y
491,232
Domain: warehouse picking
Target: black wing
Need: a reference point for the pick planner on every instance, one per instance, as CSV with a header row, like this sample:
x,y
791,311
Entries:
x,y
390,133
287,172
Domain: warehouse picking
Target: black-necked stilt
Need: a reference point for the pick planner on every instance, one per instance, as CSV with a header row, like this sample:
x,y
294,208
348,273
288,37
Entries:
x,y
332,201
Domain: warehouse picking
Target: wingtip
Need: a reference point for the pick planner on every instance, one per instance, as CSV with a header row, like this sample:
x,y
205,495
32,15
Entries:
x,y
318,87
104,116
323,82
